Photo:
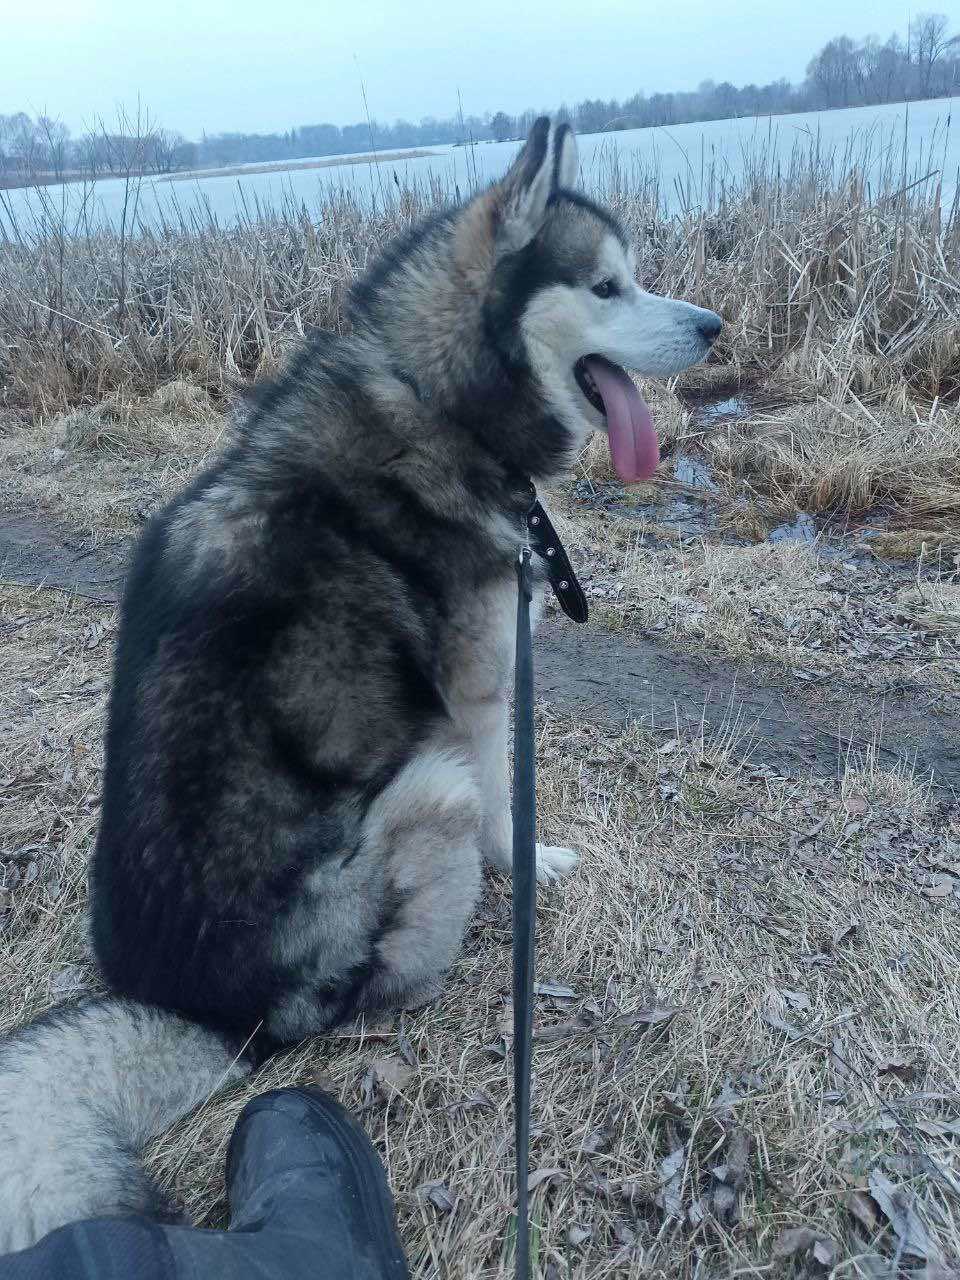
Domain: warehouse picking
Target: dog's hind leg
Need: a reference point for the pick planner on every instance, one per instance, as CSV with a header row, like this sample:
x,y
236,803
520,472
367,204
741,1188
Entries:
x,y
381,929
426,826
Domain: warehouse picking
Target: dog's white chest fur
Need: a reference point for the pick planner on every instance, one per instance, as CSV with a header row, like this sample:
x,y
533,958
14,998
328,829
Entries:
x,y
478,656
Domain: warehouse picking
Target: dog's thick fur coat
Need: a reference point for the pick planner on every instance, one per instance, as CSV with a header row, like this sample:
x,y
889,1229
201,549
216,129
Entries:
x,y
307,742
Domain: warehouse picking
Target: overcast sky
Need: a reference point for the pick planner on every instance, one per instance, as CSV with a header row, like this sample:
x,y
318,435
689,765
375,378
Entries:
x,y
268,64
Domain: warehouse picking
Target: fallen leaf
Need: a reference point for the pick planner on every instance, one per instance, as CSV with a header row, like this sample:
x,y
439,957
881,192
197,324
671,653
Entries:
x,y
844,932
645,1017
406,1049
821,1248
624,1235
597,1141
940,887
540,1176
916,1164
896,1204
697,1211
864,1209
883,1123
813,832
792,1033
671,1182
437,1194
731,1176
554,989
897,1065
726,1100
838,1059
793,1240
825,1251
562,1030
797,1000
476,1101
390,1074
578,1235
855,805
939,1128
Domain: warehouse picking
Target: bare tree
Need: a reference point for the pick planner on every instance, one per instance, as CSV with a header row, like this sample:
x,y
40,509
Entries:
x,y
23,145
501,126
836,73
53,138
162,149
885,70
8,131
929,42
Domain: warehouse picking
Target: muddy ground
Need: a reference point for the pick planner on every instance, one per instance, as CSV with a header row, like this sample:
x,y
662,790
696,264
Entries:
x,y
789,725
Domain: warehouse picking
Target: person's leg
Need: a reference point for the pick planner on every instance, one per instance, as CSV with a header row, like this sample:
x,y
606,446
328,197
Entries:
x,y
308,1201
98,1249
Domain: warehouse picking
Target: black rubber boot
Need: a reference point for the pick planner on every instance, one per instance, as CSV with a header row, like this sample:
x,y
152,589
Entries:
x,y
308,1201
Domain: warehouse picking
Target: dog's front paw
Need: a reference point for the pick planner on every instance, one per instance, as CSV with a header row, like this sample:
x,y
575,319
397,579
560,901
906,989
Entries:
x,y
555,863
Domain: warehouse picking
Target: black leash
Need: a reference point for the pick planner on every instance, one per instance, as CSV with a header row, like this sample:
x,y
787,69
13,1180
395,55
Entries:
x,y
544,541
524,900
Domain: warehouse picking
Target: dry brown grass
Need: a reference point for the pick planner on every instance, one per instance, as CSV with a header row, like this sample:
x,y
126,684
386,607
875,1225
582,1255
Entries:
x,y
848,460
764,1014
844,615
102,469
825,282
888,478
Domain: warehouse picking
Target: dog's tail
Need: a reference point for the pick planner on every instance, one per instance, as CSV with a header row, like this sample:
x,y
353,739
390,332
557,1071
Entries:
x,y
81,1091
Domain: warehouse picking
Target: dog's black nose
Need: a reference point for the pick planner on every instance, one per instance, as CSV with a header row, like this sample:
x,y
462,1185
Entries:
x,y
709,327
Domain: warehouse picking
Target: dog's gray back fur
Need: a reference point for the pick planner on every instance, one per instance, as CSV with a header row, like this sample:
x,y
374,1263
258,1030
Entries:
x,y
306,749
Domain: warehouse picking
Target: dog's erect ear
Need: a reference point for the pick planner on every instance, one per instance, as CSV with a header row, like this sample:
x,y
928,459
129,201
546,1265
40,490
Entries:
x,y
547,162
566,161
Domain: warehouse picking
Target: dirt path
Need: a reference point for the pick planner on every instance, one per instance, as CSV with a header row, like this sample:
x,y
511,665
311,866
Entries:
x,y
42,553
789,725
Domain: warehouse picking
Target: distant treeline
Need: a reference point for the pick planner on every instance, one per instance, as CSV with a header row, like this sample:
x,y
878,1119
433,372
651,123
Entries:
x,y
845,73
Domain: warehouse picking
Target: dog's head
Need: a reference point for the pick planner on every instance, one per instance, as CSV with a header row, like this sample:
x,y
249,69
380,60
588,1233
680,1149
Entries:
x,y
564,299
518,313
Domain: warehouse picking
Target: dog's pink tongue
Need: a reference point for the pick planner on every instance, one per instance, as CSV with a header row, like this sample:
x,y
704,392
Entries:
x,y
634,449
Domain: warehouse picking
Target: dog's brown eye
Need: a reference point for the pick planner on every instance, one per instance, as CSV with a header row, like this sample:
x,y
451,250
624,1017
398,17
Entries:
x,y
605,289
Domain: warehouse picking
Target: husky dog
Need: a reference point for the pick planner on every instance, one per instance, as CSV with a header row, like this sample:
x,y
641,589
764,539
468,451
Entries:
x,y
307,741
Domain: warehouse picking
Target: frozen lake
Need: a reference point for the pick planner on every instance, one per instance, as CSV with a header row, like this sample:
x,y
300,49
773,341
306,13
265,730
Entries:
x,y
677,162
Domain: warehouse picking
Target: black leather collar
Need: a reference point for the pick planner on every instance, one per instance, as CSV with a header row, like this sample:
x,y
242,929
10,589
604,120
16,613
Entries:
x,y
544,541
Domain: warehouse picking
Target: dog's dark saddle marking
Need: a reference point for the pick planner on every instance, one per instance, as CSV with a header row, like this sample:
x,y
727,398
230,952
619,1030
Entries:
x,y
544,541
